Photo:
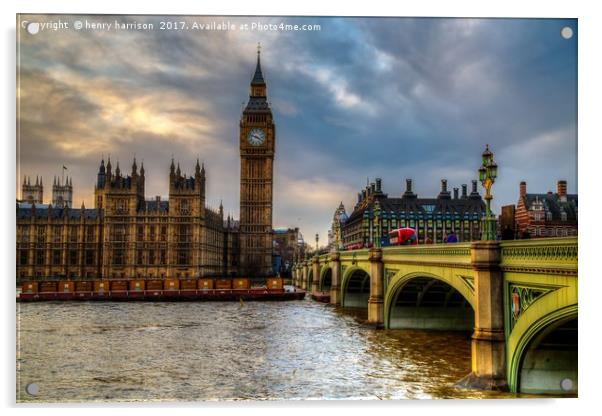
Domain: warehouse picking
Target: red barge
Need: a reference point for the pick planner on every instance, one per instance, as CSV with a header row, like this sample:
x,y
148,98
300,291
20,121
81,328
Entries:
x,y
323,297
169,290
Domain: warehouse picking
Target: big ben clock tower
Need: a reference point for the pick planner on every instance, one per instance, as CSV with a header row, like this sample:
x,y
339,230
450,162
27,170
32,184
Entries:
x,y
257,148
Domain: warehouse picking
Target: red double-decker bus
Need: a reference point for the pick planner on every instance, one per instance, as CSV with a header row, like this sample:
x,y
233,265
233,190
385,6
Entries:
x,y
403,236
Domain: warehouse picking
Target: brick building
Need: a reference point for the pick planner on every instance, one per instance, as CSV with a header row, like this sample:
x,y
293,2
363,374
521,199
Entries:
x,y
546,214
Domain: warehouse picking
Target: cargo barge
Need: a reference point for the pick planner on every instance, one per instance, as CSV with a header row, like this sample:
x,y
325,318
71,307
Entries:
x,y
323,297
169,290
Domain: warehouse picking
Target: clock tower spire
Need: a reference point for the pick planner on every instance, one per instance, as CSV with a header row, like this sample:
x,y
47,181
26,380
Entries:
x,y
257,149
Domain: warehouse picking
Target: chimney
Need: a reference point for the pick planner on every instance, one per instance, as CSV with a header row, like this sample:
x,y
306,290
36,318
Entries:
x,y
379,182
464,190
561,190
474,186
456,193
523,189
444,192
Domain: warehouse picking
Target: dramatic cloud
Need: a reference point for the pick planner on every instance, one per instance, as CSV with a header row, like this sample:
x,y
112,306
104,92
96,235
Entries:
x,y
360,98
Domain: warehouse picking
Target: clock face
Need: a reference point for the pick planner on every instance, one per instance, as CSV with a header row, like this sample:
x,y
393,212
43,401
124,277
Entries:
x,y
256,137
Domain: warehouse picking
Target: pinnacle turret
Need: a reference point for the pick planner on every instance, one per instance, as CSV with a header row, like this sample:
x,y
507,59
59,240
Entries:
x,y
258,76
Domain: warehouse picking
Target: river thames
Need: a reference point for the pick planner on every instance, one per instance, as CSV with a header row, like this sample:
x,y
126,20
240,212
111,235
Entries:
x,y
142,351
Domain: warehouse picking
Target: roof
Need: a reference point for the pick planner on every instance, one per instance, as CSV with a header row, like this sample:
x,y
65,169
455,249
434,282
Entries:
x,y
258,103
425,206
25,211
553,204
284,230
154,205
258,76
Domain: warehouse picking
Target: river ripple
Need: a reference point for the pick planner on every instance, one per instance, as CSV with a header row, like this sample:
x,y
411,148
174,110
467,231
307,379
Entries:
x,y
139,351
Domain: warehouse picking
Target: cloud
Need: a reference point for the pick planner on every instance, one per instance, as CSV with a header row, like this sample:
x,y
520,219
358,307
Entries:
x,y
363,97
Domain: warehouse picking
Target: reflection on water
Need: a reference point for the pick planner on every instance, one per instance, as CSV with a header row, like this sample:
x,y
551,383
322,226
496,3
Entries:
x,y
227,351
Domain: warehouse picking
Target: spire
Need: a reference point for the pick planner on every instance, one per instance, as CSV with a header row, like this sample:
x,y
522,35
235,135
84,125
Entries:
x,y
109,166
172,167
258,77
37,182
134,167
142,168
102,166
41,181
117,170
178,171
203,169
83,206
197,168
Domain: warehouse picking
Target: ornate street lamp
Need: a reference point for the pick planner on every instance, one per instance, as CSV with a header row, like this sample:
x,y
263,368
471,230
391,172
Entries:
x,y
487,176
317,239
377,226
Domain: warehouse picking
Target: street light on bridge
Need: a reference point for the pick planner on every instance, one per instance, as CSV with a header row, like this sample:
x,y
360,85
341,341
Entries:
x,y
487,176
317,239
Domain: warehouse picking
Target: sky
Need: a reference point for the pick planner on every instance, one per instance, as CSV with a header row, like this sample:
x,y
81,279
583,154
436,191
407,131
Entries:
x,y
357,99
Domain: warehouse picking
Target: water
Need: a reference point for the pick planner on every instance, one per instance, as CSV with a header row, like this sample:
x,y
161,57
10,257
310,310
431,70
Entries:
x,y
101,351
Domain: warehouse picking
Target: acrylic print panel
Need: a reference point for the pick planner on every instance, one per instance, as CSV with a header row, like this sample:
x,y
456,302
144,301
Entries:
x,y
283,208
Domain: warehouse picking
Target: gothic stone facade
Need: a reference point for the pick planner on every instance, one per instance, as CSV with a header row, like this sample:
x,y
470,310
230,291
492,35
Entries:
x,y
126,236
257,149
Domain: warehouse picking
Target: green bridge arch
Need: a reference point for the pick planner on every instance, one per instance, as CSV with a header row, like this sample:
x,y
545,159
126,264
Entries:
x,y
310,273
323,273
349,272
549,310
402,277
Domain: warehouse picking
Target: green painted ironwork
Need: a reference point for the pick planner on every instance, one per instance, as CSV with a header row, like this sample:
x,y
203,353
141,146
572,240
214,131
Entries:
x,y
540,283
487,176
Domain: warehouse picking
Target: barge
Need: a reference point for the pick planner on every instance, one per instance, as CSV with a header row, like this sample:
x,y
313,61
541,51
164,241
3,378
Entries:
x,y
323,297
168,290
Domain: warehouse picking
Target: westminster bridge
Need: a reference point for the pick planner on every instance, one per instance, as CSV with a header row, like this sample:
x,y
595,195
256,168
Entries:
x,y
518,297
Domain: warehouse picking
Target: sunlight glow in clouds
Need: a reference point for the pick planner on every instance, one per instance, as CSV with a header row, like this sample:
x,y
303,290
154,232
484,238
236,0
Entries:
x,y
395,98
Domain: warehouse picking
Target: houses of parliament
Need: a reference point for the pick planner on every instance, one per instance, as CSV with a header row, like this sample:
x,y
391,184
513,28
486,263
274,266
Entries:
x,y
126,236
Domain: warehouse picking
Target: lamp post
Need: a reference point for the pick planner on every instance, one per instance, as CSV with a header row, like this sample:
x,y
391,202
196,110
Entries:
x,y
487,176
317,239
377,226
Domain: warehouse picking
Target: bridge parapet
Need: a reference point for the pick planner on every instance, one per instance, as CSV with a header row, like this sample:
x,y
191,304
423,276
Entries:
x,y
452,255
549,256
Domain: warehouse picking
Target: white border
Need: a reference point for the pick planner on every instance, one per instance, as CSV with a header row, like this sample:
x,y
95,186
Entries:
x,y
589,138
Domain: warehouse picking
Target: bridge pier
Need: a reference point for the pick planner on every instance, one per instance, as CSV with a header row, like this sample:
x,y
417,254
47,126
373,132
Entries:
x,y
375,301
488,340
304,275
335,290
315,274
